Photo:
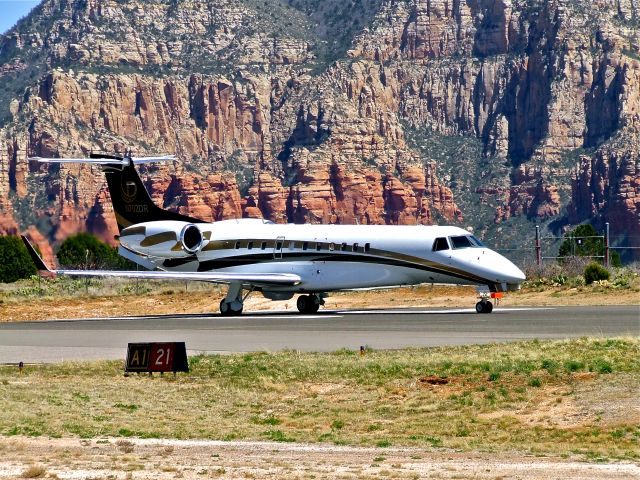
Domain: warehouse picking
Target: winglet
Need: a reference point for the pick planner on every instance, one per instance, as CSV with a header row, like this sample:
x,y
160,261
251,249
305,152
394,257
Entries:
x,y
40,265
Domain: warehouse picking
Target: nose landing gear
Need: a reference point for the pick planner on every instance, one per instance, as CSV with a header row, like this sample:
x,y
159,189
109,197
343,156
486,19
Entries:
x,y
485,305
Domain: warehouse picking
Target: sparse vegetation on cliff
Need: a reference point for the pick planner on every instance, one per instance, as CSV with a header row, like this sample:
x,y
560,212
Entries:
x,y
520,132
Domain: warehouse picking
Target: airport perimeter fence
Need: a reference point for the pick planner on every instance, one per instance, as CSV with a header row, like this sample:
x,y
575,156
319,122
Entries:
x,y
545,250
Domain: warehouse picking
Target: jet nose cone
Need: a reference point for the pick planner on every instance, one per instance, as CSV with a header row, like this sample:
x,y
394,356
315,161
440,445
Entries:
x,y
515,277
518,275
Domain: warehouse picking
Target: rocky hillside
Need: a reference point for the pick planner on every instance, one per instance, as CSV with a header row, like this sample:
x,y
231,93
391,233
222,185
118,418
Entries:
x,y
490,114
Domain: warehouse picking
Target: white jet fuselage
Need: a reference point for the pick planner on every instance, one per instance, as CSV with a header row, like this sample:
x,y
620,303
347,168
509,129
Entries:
x,y
325,257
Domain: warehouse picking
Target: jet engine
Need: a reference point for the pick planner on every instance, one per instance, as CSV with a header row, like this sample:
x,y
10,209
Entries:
x,y
164,238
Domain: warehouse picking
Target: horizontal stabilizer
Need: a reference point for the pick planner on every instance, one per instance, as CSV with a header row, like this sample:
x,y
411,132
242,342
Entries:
x,y
107,160
40,265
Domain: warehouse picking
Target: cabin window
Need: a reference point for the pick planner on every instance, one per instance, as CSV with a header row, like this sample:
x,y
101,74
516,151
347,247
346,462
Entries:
x,y
355,247
318,246
461,241
292,245
367,247
237,245
278,245
440,244
332,247
305,245
343,247
263,245
250,245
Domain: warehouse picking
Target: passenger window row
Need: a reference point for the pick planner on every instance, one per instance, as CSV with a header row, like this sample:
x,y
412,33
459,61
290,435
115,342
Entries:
x,y
318,246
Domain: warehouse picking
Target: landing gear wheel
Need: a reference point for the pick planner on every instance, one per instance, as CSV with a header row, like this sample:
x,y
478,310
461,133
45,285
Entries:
x,y
484,307
307,304
303,303
227,309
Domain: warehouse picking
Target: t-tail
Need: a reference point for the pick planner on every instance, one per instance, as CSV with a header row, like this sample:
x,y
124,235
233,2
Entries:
x,y
131,201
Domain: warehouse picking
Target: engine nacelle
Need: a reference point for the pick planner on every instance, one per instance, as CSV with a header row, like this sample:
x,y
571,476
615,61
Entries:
x,y
164,238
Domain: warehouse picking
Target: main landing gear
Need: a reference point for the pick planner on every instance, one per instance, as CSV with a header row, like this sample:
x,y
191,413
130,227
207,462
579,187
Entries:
x,y
309,303
484,306
231,305
230,309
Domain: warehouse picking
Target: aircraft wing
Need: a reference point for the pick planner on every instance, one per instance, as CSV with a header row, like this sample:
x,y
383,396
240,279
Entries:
x,y
217,277
107,160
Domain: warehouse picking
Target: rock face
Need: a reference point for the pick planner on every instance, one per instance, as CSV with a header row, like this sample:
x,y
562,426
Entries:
x,y
610,181
327,112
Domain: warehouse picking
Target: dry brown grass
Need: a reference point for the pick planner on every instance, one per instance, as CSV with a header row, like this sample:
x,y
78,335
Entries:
x,y
104,302
205,459
34,471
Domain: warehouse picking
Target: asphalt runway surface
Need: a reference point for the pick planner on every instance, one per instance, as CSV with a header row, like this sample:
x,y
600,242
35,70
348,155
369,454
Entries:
x,y
61,340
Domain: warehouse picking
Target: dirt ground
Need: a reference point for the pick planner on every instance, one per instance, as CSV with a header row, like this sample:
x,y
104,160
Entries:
x,y
91,306
110,458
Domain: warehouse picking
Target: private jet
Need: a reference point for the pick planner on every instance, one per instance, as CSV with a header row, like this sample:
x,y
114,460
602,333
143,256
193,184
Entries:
x,y
280,261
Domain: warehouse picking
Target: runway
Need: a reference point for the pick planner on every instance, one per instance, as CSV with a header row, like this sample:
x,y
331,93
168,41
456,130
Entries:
x,y
62,340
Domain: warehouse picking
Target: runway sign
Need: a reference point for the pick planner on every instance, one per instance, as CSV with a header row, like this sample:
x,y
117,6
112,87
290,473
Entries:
x,y
157,357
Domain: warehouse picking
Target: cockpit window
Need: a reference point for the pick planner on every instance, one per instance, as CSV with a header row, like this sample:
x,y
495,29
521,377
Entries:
x,y
461,242
440,244
465,241
476,241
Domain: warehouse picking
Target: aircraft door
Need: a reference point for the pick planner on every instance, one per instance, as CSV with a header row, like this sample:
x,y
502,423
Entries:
x,y
277,248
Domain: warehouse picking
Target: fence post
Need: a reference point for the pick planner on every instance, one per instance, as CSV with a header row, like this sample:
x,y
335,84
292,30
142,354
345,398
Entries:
x,y
606,245
538,248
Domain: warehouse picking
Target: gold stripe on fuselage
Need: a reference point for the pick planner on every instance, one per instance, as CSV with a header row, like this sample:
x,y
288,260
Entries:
x,y
158,238
372,253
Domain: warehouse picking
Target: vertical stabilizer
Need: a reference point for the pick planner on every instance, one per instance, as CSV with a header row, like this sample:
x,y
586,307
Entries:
x,y
131,201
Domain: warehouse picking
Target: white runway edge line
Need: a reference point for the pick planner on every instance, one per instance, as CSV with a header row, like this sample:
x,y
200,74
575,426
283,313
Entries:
x,y
421,312
284,314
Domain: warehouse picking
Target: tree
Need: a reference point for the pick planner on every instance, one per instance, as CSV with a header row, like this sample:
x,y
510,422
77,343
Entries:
x,y
85,251
16,262
581,242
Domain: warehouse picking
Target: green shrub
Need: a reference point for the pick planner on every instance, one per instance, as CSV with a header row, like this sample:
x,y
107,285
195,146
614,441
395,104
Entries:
x,y
550,366
624,278
594,272
614,259
573,365
601,366
16,262
535,382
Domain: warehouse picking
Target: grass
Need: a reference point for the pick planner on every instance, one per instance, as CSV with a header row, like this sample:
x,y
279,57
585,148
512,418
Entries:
x,y
524,396
34,471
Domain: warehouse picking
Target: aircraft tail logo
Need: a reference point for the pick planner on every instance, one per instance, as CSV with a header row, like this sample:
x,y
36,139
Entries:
x,y
128,190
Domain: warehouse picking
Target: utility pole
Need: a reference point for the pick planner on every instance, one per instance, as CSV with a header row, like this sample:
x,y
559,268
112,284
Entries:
x,y
606,245
538,247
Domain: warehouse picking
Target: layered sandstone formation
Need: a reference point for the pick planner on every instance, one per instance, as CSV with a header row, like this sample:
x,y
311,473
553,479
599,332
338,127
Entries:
x,y
266,123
